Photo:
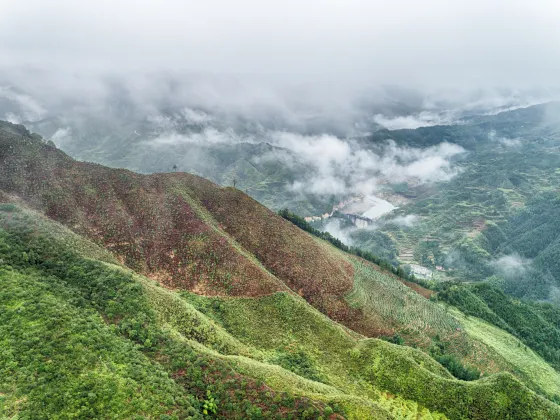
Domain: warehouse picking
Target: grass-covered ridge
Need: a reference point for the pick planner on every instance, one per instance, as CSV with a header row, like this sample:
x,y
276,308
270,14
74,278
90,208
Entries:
x,y
291,334
93,324
77,291
530,366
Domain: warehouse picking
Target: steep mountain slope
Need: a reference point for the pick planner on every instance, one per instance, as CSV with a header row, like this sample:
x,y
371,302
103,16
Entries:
x,y
125,346
179,229
537,325
230,310
94,329
152,223
190,234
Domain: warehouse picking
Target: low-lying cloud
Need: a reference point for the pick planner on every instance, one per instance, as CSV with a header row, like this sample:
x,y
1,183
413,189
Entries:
x,y
24,107
208,137
504,141
335,228
511,266
328,165
408,220
313,129
423,119
509,142
341,166
62,136
431,164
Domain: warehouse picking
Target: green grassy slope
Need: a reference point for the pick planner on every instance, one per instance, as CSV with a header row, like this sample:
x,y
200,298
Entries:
x,y
60,360
300,341
91,342
530,366
535,326
55,296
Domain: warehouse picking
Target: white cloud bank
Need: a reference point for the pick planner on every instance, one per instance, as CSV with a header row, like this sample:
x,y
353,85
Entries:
x,y
339,166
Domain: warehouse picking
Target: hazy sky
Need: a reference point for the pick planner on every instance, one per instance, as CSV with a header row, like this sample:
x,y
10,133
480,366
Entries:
x,y
414,41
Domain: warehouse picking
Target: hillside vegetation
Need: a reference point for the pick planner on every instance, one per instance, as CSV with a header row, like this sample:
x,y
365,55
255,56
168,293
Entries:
x,y
93,328
166,296
536,325
501,201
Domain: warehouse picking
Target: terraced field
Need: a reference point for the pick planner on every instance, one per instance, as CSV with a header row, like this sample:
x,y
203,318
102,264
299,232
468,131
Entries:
x,y
398,309
397,305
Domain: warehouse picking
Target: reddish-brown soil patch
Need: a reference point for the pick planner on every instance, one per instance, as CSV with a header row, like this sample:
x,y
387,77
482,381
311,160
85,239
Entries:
x,y
318,275
427,293
143,220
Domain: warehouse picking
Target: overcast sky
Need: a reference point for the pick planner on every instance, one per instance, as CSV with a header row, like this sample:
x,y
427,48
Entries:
x,y
414,41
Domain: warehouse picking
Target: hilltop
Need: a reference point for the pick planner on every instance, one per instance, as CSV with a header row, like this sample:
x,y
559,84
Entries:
x,y
158,295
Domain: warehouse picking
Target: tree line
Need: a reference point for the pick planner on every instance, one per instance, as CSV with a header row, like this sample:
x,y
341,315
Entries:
x,y
397,270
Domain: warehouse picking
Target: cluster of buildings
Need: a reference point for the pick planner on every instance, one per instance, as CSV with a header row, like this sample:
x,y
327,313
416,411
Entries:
x,y
317,218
